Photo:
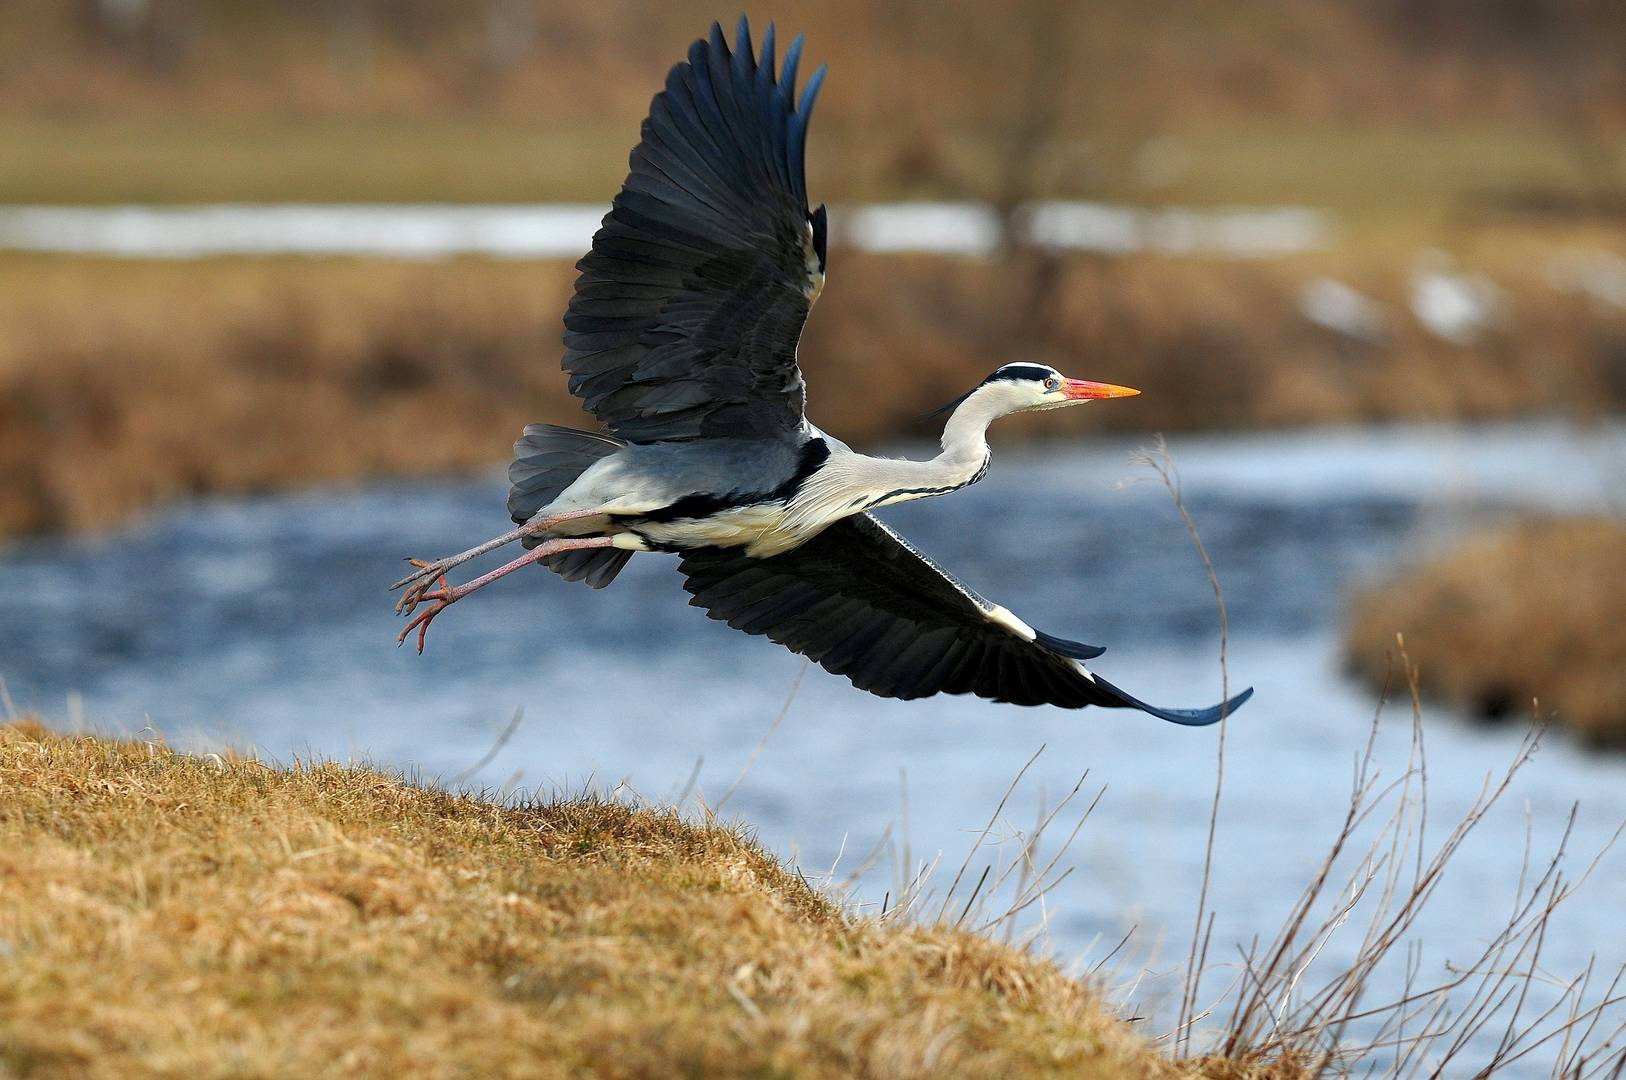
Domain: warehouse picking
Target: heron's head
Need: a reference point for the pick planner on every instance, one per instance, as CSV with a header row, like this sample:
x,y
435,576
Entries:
x,y
1028,387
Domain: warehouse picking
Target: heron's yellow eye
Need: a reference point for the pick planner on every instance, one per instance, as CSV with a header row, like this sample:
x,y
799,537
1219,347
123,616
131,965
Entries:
x,y
1051,383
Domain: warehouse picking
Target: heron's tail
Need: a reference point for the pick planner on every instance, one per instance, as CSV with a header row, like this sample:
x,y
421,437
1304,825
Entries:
x,y
547,459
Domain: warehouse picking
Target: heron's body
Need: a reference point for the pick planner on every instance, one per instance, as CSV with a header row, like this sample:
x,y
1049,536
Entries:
x,y
676,496
681,339
686,495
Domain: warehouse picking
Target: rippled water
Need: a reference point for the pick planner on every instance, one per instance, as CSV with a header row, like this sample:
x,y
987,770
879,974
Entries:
x,y
264,622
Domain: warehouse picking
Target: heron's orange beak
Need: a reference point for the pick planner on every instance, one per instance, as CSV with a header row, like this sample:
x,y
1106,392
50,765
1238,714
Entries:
x,y
1079,390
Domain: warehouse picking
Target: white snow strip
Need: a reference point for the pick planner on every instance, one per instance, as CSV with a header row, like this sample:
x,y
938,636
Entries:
x,y
565,230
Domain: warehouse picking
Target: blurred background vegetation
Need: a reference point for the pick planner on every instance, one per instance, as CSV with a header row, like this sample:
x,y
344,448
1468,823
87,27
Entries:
x,y
1403,114
1474,146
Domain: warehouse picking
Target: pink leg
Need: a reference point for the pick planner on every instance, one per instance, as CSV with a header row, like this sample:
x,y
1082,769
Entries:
x,y
447,595
426,572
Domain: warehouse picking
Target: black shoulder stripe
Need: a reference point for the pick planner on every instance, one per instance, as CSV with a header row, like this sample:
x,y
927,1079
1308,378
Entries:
x,y
703,504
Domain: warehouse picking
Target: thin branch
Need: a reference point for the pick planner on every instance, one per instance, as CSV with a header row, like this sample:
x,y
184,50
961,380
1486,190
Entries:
x,y
491,754
784,710
1159,459
942,911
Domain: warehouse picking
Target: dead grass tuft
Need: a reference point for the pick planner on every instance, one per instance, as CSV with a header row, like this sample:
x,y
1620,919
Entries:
x,y
168,914
1530,612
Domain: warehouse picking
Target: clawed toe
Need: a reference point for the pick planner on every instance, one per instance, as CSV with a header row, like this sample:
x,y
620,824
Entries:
x,y
422,571
427,583
443,598
429,575
411,598
443,595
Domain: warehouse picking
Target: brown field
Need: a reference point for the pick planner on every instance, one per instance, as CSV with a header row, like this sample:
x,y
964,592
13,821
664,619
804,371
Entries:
x,y
1389,113
1529,614
127,384
167,915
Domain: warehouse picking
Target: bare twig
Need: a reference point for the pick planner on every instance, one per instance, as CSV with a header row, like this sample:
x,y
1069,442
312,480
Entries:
x,y
688,785
1429,1027
784,710
491,754
948,897
1159,459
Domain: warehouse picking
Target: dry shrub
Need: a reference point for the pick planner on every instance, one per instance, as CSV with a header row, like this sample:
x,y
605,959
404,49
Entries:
x,y
122,386
1532,612
125,384
1290,1016
167,914
1486,1011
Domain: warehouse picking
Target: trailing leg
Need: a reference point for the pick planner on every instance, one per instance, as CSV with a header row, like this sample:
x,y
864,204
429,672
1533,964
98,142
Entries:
x,y
428,571
445,595
419,581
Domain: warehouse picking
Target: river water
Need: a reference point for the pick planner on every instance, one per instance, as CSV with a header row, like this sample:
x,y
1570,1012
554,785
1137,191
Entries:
x,y
264,623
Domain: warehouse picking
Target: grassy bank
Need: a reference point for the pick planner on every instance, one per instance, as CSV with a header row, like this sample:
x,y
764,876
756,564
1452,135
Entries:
x,y
1529,613
162,914
126,384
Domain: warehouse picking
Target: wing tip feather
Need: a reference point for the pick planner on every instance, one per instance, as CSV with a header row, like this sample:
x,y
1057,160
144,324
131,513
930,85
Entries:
x,y
788,70
810,93
1184,717
1075,649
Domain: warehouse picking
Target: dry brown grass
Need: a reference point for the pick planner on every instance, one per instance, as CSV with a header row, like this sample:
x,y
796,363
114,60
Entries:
x,y
126,384
162,914
1530,612
1390,111
166,914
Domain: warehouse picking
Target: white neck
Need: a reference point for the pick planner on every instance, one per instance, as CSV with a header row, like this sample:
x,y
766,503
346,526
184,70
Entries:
x,y
851,483
965,436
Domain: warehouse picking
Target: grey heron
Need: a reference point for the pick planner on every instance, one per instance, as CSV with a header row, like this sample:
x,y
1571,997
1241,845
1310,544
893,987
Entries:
x,y
681,339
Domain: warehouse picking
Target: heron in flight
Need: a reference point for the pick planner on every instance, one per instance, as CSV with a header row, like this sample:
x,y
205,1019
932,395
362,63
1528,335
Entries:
x,y
681,339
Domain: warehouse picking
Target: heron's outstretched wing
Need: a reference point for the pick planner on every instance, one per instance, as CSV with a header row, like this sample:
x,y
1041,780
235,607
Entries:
x,y
688,309
862,602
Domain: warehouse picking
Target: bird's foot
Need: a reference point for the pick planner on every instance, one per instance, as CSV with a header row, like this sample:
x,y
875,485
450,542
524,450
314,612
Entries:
x,y
442,597
419,582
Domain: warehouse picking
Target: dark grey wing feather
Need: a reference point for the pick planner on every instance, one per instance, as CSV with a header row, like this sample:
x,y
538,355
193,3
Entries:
x,y
688,309
596,566
863,603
